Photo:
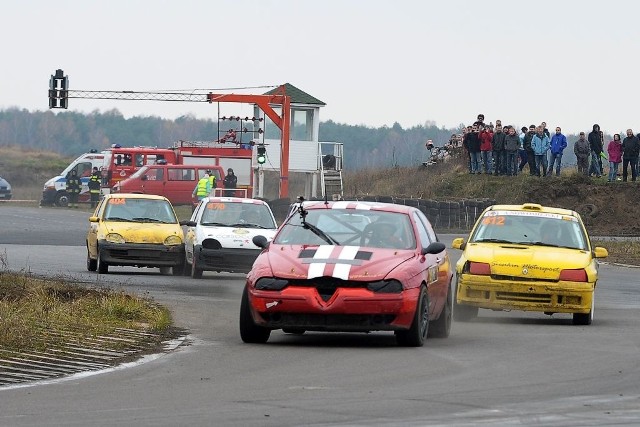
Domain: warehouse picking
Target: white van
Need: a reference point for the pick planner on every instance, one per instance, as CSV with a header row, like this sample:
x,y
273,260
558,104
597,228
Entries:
x,y
55,189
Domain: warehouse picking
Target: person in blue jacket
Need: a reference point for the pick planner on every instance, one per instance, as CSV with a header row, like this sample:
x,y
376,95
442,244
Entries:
x,y
558,144
540,145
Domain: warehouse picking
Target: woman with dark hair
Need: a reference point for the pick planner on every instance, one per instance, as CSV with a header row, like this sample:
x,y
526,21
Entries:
x,y
614,149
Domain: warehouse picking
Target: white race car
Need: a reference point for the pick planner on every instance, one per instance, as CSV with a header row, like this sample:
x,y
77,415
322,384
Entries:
x,y
220,232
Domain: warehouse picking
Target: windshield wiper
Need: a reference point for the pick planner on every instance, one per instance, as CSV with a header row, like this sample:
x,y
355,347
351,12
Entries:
x,y
219,224
324,236
544,244
492,241
116,218
145,219
247,225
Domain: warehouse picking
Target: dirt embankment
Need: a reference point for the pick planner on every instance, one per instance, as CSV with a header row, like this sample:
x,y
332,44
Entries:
x,y
606,208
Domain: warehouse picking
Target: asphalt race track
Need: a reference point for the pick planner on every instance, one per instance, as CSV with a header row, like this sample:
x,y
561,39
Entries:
x,y
501,369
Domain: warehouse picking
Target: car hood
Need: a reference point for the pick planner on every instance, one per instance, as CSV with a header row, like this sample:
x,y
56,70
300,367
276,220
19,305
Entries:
x,y
343,262
538,261
147,232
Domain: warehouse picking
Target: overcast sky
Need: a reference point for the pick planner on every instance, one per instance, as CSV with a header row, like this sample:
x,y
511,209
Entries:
x,y
569,63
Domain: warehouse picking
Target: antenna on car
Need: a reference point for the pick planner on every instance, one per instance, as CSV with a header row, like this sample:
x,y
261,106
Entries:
x,y
301,210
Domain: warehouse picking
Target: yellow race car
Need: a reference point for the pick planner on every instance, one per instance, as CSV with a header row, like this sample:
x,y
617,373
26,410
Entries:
x,y
139,230
527,257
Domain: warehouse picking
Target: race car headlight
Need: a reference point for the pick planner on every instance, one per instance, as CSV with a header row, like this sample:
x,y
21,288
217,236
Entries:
x,y
114,238
173,240
271,284
385,286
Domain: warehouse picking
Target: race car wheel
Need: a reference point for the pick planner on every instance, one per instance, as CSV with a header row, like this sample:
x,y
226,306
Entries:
x,y
92,264
585,318
103,267
417,333
249,331
178,270
441,327
196,272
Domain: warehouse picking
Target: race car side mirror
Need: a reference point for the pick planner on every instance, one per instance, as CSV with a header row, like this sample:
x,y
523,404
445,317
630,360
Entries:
x,y
434,248
458,243
260,241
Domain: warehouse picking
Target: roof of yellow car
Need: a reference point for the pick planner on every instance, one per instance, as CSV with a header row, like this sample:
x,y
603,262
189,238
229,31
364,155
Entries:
x,y
134,196
533,207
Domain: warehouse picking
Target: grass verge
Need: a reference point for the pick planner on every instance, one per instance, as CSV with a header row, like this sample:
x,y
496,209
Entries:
x,y
620,251
35,313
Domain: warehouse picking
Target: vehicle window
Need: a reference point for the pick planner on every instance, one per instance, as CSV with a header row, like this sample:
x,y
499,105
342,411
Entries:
x,y
140,172
237,214
155,174
139,210
530,228
422,231
84,169
176,174
139,159
433,237
350,227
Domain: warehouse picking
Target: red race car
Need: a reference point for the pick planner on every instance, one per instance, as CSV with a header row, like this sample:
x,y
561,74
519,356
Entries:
x,y
347,266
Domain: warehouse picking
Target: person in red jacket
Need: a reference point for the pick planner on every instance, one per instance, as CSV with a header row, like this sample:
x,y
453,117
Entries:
x,y
486,156
614,150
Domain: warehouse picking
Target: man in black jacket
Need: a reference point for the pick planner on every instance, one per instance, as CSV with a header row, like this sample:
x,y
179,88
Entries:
x,y
630,153
526,144
596,144
230,183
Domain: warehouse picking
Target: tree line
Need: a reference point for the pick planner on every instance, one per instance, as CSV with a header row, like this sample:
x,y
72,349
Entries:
x,y
71,134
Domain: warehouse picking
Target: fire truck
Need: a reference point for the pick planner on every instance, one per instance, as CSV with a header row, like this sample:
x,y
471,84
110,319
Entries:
x,y
118,163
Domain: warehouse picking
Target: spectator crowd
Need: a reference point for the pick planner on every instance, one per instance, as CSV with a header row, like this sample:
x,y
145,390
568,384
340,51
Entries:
x,y
504,150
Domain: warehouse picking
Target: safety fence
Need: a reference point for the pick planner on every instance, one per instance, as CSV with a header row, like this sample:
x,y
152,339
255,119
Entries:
x,y
443,214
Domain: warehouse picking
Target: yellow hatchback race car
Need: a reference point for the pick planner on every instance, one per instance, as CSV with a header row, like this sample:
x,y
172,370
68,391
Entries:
x,y
139,230
527,257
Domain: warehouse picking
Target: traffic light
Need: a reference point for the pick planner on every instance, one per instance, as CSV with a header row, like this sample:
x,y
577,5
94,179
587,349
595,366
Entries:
x,y
58,90
262,154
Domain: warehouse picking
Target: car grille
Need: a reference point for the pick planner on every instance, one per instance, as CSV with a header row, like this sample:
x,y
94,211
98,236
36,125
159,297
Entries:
x,y
523,297
342,322
327,286
136,255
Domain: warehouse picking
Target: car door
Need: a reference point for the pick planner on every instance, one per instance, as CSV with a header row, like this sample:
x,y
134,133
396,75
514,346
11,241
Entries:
x,y
437,265
190,234
94,228
153,181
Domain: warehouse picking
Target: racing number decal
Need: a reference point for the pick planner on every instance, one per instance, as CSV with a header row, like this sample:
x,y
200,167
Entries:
x,y
117,201
493,220
432,275
216,206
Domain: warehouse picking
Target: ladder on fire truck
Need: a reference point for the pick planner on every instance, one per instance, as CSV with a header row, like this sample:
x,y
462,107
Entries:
x,y
330,167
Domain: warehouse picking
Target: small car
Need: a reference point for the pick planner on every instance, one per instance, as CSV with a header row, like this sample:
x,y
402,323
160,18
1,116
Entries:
x,y
5,189
220,232
139,230
346,266
527,257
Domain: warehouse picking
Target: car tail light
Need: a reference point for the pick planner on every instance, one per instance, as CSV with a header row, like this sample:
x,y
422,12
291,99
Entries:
x,y
480,268
579,275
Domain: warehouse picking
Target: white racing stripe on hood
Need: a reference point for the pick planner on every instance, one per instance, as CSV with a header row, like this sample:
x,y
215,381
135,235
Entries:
x,y
316,269
341,271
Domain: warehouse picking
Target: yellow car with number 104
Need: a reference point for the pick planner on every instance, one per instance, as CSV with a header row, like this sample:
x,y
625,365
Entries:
x,y
139,230
527,257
